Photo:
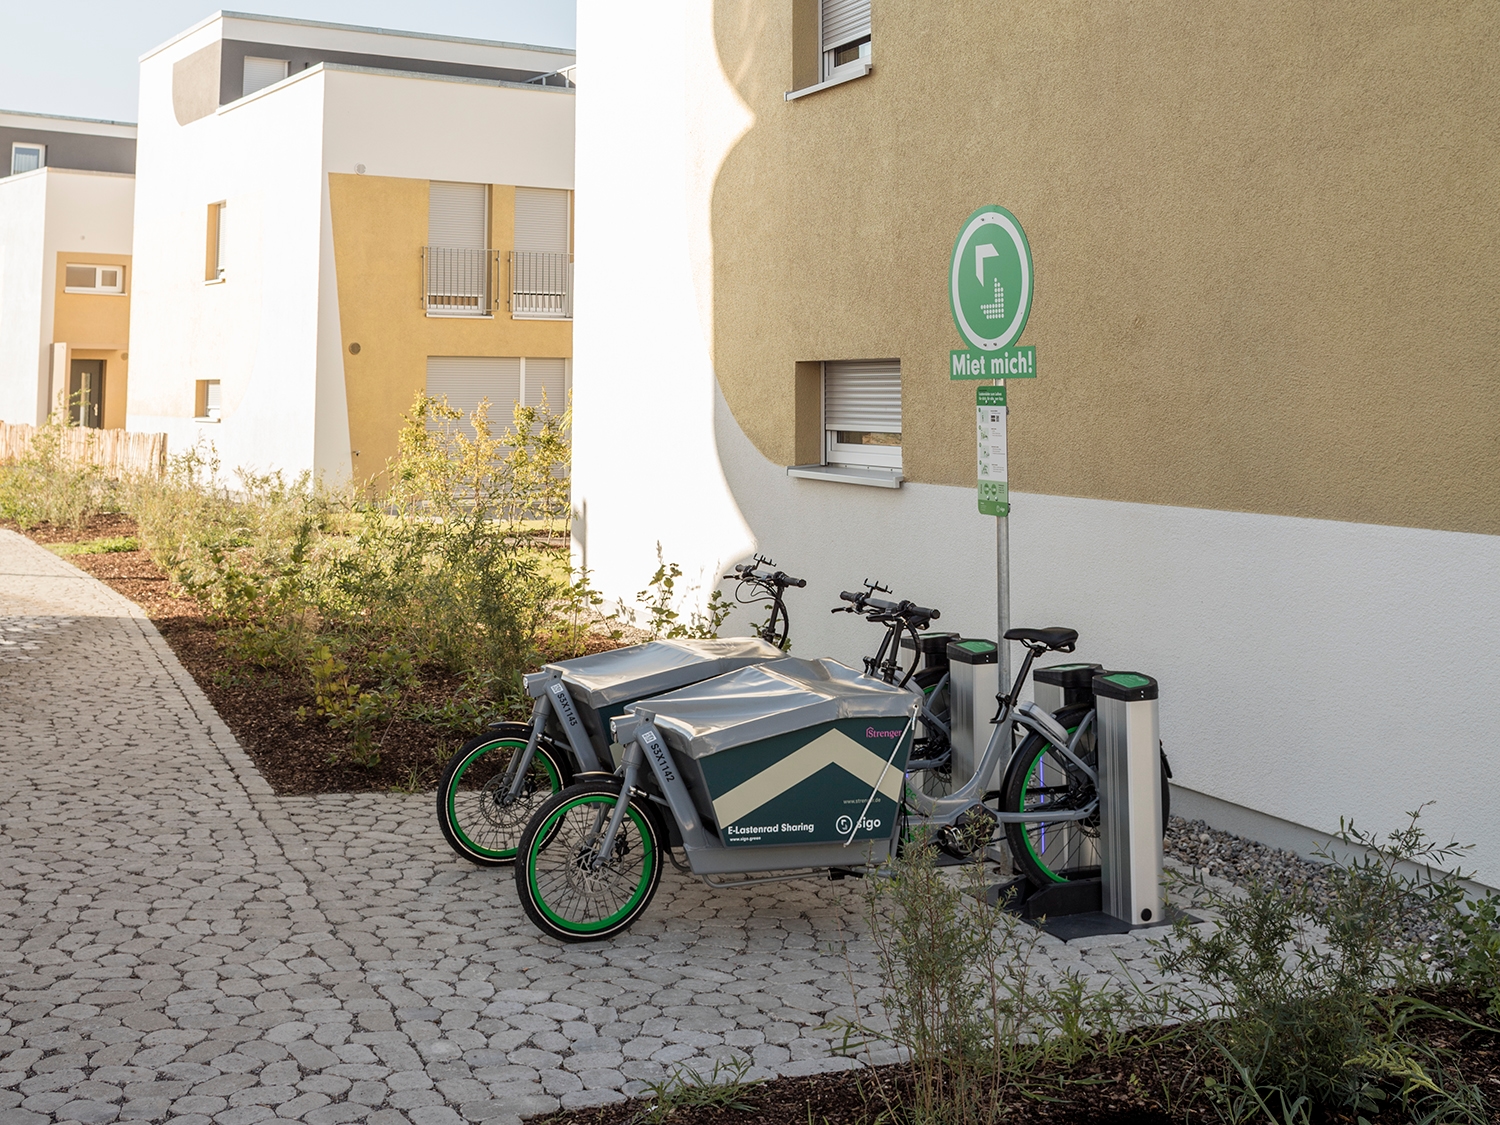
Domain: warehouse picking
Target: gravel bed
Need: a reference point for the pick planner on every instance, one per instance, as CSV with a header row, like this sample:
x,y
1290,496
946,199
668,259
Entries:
x,y
1246,862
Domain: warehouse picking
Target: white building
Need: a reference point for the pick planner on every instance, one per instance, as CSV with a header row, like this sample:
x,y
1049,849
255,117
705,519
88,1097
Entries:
x,y
66,199
1226,475
303,188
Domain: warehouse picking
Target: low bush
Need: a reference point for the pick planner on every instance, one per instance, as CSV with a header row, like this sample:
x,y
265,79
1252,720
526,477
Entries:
x,y
45,487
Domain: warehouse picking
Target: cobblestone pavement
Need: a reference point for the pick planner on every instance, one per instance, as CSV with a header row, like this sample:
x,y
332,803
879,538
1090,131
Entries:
x,y
178,942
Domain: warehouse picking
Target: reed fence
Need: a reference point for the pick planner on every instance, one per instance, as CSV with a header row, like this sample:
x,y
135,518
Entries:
x,y
117,452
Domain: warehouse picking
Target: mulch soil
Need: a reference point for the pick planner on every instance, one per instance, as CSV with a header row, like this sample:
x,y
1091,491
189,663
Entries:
x,y
1127,1088
297,756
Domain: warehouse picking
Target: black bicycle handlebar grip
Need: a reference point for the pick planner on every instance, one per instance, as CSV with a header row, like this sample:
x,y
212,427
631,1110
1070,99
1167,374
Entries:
x,y
923,611
845,595
788,580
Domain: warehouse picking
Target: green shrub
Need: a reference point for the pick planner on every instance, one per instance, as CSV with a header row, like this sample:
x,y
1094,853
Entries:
x,y
1304,998
45,487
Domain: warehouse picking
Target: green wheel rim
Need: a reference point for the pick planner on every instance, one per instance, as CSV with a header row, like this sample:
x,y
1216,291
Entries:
x,y
547,836
1026,834
484,802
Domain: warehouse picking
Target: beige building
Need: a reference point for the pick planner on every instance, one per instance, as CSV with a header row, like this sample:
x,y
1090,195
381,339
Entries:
x,y
1262,458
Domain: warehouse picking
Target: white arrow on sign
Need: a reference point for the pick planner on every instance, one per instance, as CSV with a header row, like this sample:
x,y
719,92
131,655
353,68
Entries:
x,y
981,252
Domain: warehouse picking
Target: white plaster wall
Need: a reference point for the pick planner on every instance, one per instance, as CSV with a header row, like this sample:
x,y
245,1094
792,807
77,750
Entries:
x,y
258,331
23,355
1309,669
430,129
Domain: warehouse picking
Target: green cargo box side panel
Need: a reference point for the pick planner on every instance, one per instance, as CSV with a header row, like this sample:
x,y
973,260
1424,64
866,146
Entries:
x,y
810,786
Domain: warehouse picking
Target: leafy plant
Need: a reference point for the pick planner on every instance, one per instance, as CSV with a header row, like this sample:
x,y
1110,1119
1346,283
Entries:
x,y
660,599
1302,999
686,1088
44,486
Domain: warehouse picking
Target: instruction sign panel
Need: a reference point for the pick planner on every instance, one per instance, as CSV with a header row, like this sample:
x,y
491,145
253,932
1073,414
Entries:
x,y
990,286
994,489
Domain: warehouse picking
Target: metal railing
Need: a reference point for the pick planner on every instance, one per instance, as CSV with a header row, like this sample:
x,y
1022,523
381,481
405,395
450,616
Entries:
x,y
460,282
541,285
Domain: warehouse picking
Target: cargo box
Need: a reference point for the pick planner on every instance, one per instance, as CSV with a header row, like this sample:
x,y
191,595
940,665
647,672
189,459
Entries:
x,y
602,684
789,752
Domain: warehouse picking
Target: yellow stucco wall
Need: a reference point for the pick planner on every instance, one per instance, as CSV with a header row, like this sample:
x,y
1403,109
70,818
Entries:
x,y
97,326
379,229
1264,236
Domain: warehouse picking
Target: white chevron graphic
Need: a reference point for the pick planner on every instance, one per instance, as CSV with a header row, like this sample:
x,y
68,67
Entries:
x,y
833,748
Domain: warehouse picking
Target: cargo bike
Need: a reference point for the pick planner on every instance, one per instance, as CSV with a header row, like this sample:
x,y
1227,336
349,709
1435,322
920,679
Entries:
x,y
493,784
795,767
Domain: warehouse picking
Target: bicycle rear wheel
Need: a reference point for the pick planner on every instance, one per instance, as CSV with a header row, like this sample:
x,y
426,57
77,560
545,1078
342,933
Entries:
x,y
1039,779
567,889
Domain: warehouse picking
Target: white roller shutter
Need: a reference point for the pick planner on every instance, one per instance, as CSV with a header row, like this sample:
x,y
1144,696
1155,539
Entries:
x,y
456,216
862,395
260,73
844,21
542,220
862,413
466,380
547,376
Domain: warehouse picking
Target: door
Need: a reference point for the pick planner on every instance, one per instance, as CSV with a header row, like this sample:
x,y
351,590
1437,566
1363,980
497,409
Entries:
x,y
86,393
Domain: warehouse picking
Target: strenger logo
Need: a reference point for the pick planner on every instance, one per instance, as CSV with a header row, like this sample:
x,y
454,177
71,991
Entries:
x,y
871,732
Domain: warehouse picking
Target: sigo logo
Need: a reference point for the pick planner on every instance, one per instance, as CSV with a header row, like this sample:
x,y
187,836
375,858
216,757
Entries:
x,y
845,824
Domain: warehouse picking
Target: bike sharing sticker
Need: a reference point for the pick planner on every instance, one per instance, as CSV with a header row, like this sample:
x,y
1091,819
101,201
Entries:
x,y
994,487
808,787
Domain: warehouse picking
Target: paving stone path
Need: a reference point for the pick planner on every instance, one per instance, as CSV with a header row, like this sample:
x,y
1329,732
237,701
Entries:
x,y
176,941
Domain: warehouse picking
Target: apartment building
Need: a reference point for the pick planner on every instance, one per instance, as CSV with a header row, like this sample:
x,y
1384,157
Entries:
x,y
331,219
67,189
1261,460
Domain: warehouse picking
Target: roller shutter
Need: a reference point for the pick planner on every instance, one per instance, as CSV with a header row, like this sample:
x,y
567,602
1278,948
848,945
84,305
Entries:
x,y
456,216
862,413
260,73
541,220
844,21
466,380
549,376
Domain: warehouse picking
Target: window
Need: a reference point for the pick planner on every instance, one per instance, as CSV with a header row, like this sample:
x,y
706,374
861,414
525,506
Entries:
x,y
541,272
210,402
214,258
26,157
260,73
503,381
862,413
93,279
457,261
844,34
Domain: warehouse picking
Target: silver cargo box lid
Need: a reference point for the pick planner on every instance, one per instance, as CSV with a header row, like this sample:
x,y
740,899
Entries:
x,y
606,678
770,699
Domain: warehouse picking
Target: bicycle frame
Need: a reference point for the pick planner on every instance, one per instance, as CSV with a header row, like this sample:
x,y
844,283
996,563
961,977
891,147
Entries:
x,y
645,750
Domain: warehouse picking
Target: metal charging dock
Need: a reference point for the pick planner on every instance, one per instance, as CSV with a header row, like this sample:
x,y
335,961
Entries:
x,y
1124,893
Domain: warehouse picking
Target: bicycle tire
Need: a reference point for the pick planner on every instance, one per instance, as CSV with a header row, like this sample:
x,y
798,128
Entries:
x,y
479,827
1072,852
566,899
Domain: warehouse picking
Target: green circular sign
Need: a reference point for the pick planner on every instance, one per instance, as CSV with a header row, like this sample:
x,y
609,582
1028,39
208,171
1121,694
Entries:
x,y
990,279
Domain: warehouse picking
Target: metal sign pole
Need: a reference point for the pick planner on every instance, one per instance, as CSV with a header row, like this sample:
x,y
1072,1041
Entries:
x,y
1002,596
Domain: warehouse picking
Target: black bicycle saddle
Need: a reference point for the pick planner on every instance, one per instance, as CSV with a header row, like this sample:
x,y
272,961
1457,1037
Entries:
x,y
1054,637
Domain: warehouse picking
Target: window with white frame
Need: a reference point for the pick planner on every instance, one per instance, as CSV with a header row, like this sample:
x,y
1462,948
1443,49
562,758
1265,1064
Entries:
x,y
862,413
210,401
844,35
93,279
260,73
27,157
457,262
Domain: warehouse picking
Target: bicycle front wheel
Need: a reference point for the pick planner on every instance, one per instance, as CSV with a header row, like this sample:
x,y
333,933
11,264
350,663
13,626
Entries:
x,y
567,888
480,819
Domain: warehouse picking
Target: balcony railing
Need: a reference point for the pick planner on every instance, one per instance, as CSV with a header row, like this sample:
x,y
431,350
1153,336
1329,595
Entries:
x,y
541,285
460,282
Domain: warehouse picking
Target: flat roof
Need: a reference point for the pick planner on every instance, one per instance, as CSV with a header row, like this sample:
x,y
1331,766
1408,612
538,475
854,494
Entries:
x,y
58,123
358,29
